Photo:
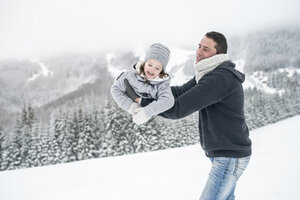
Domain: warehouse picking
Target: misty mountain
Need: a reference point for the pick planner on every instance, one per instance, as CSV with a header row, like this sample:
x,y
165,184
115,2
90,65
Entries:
x,y
268,50
13,77
123,60
23,81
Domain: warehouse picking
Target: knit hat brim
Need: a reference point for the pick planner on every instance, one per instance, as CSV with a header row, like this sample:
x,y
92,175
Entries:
x,y
158,52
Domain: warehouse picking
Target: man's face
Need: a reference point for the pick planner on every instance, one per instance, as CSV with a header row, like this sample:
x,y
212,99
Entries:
x,y
206,49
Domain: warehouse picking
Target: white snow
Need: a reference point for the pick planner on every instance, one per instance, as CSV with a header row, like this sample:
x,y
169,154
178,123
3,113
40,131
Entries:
x,y
290,71
114,71
173,174
257,79
179,77
139,51
249,82
178,56
239,65
44,70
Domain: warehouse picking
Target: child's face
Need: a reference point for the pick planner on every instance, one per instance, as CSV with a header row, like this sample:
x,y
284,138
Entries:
x,y
152,68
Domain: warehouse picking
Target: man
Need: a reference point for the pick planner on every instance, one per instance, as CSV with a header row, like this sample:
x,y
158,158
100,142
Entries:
x,y
216,92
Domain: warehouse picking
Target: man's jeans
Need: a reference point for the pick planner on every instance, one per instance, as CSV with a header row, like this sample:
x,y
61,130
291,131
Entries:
x,y
223,177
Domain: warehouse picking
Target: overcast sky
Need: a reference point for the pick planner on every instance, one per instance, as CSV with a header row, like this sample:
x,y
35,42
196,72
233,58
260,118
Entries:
x,y
31,28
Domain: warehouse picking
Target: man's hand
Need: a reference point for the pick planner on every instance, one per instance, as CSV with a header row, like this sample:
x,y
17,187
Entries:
x,y
130,91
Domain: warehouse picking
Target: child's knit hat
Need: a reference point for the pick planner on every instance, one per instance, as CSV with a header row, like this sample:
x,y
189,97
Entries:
x,y
158,52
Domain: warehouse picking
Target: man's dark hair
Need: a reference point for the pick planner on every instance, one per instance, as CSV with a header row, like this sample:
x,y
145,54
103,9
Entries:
x,y
220,39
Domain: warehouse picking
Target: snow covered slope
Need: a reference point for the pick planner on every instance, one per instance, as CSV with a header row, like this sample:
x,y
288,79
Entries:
x,y
259,79
273,173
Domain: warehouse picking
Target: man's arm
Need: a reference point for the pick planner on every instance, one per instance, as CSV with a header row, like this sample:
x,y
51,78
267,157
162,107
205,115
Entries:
x,y
165,100
179,90
192,97
210,89
176,91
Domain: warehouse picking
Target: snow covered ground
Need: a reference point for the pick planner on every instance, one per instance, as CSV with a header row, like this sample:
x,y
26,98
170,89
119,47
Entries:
x,y
173,174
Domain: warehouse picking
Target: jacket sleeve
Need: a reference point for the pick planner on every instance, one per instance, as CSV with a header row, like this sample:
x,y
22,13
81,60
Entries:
x,y
179,90
209,90
176,91
165,100
118,92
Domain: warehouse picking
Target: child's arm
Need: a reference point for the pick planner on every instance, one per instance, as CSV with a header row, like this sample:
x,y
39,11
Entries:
x,y
164,102
130,91
118,92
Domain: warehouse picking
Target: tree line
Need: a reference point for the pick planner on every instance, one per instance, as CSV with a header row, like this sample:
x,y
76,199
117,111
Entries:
x,y
106,130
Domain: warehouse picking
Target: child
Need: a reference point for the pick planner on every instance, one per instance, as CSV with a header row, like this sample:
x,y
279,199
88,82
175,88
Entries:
x,y
149,80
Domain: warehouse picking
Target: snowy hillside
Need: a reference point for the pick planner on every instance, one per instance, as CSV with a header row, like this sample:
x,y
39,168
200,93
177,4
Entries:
x,y
43,81
259,79
169,174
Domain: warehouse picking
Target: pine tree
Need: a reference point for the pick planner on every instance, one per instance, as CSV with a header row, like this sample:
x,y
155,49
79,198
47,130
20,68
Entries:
x,y
86,142
116,121
44,147
96,132
71,138
7,157
20,141
1,147
60,128
51,150
31,119
28,142
27,116
63,136
33,151
104,134
14,151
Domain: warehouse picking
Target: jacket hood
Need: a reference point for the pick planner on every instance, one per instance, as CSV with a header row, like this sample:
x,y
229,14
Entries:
x,y
230,66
